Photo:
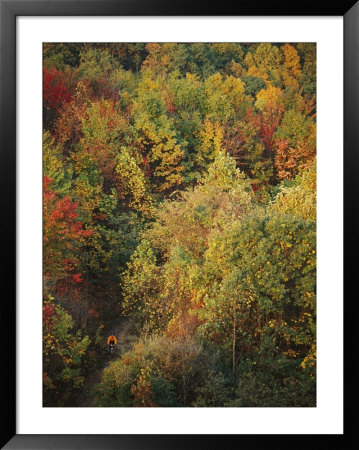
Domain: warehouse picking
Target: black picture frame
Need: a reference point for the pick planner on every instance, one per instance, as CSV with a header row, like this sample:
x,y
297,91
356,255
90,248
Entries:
x,y
9,10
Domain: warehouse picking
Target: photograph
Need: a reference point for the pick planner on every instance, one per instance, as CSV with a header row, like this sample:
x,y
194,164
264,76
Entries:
x,y
179,238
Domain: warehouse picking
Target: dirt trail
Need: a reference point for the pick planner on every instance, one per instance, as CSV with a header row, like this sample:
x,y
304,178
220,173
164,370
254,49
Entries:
x,y
122,331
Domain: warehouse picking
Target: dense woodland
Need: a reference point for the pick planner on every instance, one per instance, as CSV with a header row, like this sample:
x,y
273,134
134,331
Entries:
x,y
179,192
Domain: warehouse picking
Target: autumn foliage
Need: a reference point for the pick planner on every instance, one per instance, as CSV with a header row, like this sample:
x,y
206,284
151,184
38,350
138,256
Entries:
x,y
179,191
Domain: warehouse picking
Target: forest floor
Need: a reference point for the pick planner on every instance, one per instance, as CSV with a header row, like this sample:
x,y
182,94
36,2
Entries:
x,y
122,330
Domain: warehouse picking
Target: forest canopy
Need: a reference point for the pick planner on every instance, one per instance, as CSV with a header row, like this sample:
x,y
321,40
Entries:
x,y
179,200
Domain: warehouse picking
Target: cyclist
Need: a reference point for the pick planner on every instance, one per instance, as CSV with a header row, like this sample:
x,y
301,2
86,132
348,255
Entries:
x,y
111,342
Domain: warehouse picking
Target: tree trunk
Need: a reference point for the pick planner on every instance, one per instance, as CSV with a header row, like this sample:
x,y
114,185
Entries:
x,y
184,388
234,345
